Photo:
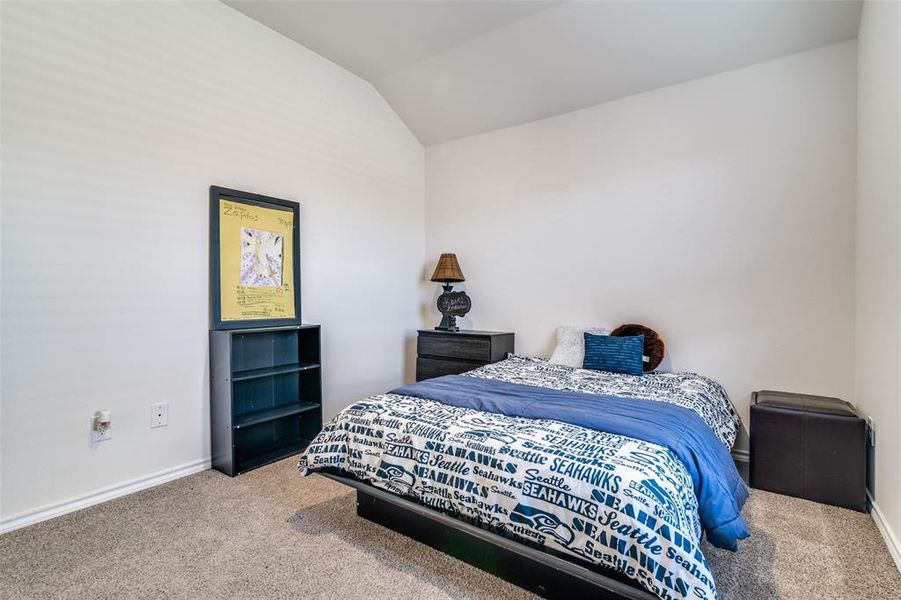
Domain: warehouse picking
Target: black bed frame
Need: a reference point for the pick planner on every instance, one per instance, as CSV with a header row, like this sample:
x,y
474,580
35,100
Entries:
x,y
538,571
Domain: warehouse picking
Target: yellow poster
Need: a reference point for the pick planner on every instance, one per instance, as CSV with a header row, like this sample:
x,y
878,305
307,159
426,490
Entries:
x,y
256,262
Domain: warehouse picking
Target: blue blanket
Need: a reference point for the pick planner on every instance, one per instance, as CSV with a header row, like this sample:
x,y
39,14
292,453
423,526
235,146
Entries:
x,y
717,485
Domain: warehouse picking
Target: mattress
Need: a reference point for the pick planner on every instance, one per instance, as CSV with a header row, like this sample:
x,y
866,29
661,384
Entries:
x,y
609,499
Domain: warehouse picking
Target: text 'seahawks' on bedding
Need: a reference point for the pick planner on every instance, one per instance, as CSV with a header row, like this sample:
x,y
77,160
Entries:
x,y
601,496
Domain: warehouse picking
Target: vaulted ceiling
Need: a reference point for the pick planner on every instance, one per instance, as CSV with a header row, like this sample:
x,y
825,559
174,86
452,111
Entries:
x,y
452,69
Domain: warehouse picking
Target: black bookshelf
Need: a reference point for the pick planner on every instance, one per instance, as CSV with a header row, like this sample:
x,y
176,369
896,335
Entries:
x,y
265,394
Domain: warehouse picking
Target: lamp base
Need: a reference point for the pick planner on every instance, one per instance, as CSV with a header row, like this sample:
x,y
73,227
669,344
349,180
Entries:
x,y
451,305
448,323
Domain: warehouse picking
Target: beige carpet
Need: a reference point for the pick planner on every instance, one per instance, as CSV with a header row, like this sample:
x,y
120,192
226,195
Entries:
x,y
272,534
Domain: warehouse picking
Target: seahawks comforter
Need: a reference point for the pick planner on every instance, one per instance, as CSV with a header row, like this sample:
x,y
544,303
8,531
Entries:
x,y
609,498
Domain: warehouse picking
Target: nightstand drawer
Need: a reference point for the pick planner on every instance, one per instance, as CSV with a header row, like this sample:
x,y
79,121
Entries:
x,y
426,368
455,346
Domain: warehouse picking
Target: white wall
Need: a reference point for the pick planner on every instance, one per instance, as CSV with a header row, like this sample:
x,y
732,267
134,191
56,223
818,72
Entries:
x,y
878,335
116,119
719,211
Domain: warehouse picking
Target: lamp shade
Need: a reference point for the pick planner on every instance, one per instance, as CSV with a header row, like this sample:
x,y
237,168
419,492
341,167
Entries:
x,y
448,269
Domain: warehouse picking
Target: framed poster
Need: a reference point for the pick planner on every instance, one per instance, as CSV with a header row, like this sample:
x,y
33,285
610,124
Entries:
x,y
254,260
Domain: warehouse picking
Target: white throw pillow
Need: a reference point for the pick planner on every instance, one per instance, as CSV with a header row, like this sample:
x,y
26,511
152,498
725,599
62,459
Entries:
x,y
570,348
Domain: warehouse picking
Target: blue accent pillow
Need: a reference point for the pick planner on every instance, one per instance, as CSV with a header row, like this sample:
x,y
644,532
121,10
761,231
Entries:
x,y
616,354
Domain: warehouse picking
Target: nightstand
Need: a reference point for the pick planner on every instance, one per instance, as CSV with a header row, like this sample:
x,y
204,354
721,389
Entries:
x,y
810,447
453,352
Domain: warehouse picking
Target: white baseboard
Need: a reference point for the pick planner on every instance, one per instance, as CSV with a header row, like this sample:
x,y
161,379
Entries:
x,y
888,535
741,456
142,483
123,489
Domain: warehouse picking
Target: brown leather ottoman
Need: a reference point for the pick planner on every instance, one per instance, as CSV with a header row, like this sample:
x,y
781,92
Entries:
x,y
810,447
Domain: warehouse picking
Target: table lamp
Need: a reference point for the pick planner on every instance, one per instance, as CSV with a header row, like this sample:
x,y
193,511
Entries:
x,y
451,304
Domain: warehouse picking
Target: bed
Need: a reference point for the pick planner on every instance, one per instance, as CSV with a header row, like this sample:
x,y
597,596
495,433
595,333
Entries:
x,y
606,482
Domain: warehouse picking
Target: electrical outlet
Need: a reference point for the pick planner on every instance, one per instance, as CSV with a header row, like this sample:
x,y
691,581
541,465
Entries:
x,y
100,431
871,431
159,415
